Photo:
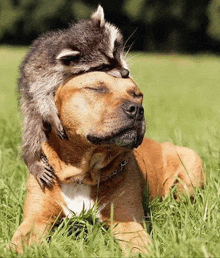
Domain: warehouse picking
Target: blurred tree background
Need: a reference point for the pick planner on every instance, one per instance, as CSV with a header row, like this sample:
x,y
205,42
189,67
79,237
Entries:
x,y
184,26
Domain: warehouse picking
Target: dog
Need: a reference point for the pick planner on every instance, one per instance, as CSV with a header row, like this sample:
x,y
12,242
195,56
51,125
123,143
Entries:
x,y
106,160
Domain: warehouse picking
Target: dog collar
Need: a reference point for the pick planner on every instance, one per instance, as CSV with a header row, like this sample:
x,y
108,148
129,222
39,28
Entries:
x,y
114,173
117,171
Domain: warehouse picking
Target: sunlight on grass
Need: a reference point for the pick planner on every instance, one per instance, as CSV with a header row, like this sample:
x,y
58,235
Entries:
x,y
181,94
10,59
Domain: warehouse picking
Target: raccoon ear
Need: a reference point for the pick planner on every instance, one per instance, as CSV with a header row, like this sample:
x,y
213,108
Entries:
x,y
67,53
98,17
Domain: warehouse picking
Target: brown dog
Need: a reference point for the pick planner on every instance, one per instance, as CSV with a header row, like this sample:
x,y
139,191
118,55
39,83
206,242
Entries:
x,y
103,118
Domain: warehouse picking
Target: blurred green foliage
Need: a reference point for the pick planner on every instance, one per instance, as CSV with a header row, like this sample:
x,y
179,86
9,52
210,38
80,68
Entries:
x,y
213,12
159,25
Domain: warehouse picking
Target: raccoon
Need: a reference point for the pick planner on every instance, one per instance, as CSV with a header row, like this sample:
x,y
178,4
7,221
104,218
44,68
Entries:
x,y
88,45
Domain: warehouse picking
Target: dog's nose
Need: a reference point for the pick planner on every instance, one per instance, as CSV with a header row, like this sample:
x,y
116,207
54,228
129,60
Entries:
x,y
133,110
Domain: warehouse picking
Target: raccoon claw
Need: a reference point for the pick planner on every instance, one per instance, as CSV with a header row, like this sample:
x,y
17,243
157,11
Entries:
x,y
43,172
46,179
62,134
56,125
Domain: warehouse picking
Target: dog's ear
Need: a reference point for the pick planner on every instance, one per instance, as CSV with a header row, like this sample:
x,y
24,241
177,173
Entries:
x,y
66,56
98,17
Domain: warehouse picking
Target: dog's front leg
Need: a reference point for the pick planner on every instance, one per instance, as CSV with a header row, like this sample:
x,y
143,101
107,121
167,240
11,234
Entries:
x,y
40,212
124,213
29,232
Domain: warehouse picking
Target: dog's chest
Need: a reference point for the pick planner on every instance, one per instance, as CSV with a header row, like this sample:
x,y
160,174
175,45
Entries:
x,y
77,197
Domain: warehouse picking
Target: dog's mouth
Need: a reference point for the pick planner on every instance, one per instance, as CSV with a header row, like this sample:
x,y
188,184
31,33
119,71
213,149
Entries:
x,y
130,137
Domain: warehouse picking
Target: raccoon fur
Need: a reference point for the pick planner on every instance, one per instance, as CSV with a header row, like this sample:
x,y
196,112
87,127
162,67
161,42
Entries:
x,y
85,46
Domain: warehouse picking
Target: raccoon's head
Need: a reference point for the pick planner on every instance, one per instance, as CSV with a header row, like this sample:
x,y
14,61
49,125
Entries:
x,y
92,45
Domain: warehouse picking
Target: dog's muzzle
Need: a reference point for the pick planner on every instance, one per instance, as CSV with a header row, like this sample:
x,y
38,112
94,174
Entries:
x,y
131,134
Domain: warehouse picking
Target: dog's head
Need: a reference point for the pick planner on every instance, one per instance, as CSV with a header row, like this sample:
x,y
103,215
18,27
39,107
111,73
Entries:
x,y
99,109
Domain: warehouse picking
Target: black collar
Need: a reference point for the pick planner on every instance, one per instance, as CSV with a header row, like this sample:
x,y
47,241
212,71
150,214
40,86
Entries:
x,y
117,171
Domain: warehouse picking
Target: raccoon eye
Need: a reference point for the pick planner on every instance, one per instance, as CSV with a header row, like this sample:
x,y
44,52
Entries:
x,y
68,56
104,68
68,60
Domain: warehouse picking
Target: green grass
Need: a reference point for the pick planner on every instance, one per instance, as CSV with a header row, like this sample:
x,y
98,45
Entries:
x,y
181,101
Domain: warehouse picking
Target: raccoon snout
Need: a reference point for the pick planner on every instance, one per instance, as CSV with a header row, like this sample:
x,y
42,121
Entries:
x,y
124,73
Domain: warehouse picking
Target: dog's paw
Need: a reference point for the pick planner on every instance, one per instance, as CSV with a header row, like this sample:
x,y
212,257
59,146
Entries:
x,y
18,248
132,238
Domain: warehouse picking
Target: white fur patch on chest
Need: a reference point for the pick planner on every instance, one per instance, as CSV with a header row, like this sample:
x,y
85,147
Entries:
x,y
77,197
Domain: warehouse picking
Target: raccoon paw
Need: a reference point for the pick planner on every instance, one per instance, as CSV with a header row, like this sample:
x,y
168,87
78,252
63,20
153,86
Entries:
x,y
45,177
43,172
57,126
62,134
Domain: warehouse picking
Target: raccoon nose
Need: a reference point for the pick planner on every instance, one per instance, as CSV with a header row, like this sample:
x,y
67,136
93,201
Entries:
x,y
124,73
133,110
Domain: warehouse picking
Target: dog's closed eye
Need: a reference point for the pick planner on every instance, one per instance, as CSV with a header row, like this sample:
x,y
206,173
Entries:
x,y
101,89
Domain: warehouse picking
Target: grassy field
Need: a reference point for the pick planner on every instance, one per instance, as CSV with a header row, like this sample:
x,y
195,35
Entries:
x,y
182,106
